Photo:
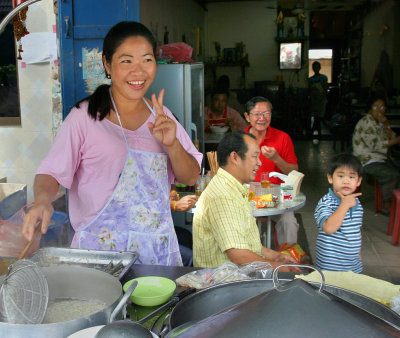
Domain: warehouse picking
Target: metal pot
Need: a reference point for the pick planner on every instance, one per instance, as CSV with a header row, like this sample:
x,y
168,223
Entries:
x,y
229,308
76,283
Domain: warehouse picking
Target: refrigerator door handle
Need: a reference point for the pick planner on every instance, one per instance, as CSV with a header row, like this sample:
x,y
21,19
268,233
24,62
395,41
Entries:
x,y
193,128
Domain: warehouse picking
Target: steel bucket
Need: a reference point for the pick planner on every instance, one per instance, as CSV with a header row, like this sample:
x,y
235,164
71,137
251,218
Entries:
x,y
77,283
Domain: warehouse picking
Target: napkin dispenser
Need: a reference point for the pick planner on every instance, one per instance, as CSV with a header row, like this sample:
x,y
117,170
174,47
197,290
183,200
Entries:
x,y
294,178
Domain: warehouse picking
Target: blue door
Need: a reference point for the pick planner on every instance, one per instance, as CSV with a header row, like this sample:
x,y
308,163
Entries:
x,y
83,24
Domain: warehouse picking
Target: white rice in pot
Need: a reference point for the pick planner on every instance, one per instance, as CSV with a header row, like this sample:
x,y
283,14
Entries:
x,y
62,310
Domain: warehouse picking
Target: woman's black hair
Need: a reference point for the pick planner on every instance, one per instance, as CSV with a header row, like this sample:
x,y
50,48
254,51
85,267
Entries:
x,y
100,101
232,142
345,160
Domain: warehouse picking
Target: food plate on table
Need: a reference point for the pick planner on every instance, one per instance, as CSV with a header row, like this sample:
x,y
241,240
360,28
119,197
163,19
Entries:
x,y
219,129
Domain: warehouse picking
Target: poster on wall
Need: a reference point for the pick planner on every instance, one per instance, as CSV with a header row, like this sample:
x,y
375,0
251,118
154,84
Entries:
x,y
93,70
289,27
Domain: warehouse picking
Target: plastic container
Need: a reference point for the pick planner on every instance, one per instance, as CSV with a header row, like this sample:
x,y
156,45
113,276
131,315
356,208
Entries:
x,y
151,290
55,230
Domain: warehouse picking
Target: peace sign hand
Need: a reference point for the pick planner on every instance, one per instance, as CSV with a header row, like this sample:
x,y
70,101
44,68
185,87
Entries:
x,y
164,128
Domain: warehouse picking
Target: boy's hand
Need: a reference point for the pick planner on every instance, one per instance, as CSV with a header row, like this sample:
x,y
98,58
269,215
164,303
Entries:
x,y
349,200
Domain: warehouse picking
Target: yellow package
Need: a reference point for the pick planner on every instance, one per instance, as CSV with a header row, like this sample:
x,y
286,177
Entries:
x,y
264,201
267,197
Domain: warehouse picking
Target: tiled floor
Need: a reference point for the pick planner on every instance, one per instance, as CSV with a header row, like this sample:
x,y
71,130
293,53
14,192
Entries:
x,y
381,259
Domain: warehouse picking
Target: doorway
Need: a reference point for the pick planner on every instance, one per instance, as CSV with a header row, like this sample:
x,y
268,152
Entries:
x,y
324,57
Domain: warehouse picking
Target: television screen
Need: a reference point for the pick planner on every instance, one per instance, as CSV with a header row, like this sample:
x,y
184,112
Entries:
x,y
290,55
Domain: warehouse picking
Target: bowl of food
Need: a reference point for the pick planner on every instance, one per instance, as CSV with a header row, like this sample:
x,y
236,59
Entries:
x,y
219,129
151,290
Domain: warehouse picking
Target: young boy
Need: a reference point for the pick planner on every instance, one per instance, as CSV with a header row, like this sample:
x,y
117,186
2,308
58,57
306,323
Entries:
x,y
339,217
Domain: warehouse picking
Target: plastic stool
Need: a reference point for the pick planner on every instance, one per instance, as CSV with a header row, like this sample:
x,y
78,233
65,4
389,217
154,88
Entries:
x,y
378,197
394,219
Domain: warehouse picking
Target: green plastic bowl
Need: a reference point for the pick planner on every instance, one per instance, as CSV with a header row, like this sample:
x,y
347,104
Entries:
x,y
151,290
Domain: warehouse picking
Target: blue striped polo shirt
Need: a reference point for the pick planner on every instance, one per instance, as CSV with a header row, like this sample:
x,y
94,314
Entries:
x,y
339,251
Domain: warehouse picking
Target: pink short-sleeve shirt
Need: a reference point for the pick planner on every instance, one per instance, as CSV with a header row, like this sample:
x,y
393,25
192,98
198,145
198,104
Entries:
x,y
88,156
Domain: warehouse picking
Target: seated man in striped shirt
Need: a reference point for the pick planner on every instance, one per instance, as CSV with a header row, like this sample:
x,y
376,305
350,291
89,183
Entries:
x,y
224,228
339,217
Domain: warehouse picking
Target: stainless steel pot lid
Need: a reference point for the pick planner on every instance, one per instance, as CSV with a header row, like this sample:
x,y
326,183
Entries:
x,y
288,310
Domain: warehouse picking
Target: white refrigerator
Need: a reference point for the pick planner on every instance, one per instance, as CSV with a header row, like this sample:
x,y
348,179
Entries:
x,y
184,96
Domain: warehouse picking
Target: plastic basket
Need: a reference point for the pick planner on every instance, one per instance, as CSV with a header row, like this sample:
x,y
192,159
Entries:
x,y
55,229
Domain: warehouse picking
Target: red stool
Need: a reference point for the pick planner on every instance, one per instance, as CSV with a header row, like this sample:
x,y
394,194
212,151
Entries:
x,y
394,219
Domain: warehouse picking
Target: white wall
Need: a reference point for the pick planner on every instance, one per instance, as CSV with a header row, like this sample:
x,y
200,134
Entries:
x,y
255,25
180,17
23,147
375,40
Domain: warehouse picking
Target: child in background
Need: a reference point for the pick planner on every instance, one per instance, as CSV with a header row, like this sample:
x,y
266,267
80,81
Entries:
x,y
339,217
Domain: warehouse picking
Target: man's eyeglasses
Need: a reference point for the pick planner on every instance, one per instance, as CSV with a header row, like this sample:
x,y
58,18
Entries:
x,y
258,114
378,107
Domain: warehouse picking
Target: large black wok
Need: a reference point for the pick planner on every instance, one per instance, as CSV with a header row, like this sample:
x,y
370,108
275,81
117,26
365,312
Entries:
x,y
209,302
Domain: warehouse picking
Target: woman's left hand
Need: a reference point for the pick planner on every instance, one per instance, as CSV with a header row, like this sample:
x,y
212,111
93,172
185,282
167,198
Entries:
x,y
164,128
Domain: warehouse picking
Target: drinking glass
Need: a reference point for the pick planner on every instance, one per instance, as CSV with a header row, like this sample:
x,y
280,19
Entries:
x,y
265,182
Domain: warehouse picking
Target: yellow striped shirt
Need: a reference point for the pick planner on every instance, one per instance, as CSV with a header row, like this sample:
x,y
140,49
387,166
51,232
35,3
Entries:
x,y
223,220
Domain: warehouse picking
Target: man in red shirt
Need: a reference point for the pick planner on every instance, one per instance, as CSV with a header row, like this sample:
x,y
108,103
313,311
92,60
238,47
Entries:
x,y
219,114
277,154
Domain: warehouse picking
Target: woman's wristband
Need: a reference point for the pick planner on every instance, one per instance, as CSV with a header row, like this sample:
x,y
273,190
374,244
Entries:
x,y
174,209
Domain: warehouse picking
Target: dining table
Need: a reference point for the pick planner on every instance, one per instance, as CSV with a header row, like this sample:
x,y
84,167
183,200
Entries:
x,y
260,214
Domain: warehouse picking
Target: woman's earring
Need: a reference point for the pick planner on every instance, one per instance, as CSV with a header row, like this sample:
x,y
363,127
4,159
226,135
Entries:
x,y
108,76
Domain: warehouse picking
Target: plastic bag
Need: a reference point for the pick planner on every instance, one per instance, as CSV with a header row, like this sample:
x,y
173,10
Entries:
x,y
227,272
11,240
295,251
179,51
266,201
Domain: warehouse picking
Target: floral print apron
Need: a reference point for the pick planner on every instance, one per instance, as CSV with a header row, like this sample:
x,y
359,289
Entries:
x,y
137,216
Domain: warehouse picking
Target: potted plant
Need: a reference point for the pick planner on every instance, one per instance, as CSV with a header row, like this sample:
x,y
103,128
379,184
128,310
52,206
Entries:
x,y
300,24
279,23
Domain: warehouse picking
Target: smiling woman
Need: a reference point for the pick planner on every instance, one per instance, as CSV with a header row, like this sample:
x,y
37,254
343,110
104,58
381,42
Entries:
x,y
118,153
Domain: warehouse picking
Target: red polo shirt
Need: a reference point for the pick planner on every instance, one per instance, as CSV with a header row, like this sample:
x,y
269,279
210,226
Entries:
x,y
283,145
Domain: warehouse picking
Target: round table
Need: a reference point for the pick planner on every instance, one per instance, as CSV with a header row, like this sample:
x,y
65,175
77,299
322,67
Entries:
x,y
298,202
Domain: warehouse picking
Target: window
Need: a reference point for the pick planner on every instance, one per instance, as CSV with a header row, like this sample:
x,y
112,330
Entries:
x,y
9,97
324,57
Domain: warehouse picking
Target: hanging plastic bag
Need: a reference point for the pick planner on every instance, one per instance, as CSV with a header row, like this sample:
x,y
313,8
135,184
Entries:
x,y
179,51
11,240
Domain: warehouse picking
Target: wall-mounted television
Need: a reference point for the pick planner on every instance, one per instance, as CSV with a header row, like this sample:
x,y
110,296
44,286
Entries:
x,y
290,55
